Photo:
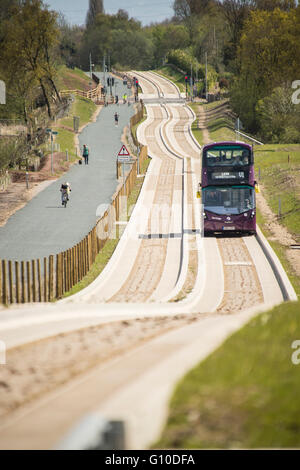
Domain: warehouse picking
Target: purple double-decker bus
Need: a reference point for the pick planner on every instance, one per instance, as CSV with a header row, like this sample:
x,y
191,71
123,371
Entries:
x,y
227,163
228,188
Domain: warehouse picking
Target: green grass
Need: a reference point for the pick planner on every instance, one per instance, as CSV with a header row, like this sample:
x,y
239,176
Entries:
x,y
198,134
281,251
82,107
173,75
66,141
134,128
245,394
72,79
281,179
101,260
220,129
214,104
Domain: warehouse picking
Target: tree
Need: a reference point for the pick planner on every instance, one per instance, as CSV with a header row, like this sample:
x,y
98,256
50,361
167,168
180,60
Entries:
x,y
95,8
270,5
279,118
27,52
268,58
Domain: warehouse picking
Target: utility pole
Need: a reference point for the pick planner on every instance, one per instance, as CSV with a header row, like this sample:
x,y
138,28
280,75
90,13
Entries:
x,y
206,94
91,71
104,70
191,82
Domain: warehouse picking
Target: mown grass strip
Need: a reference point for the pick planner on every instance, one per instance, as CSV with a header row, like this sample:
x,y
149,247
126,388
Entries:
x,y
84,109
173,75
107,251
245,394
278,167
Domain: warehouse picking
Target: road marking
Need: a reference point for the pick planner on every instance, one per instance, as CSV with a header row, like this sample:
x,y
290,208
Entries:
x,y
238,263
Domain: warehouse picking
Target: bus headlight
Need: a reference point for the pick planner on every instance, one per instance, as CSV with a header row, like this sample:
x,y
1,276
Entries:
x,y
204,215
252,214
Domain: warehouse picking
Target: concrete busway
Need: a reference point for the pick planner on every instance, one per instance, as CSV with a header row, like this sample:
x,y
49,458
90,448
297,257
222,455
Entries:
x,y
229,272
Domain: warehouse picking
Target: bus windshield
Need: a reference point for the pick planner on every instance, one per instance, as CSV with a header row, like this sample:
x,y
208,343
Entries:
x,y
228,200
227,156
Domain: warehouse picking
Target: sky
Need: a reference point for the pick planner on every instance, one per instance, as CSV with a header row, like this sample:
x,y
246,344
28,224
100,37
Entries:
x,y
146,11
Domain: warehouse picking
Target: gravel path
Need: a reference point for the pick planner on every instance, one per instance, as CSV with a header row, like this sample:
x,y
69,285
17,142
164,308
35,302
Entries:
x,y
38,368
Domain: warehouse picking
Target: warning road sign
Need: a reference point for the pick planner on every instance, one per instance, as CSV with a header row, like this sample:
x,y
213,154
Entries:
x,y
123,152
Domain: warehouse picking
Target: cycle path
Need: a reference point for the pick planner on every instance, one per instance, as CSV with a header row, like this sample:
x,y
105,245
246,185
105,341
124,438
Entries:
x,y
44,226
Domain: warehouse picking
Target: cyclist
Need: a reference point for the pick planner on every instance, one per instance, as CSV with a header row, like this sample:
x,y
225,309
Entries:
x,y
65,189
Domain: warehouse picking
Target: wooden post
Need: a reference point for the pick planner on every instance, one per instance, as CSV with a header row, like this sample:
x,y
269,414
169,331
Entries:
x,y
88,249
88,239
79,262
18,290
45,281
4,283
73,267
58,277
11,283
33,281
1,296
76,264
38,262
64,255
28,281
68,269
83,258
23,282
50,278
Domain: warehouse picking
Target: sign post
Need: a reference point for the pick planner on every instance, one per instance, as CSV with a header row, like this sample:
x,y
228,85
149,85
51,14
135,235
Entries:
x,y
52,133
124,158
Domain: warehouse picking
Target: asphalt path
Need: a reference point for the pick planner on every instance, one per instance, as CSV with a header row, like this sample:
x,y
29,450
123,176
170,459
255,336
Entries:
x,y
44,226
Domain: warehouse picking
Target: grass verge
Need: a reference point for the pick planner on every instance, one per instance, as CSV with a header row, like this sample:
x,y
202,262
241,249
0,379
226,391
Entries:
x,y
81,107
107,251
245,394
72,79
198,134
278,167
173,75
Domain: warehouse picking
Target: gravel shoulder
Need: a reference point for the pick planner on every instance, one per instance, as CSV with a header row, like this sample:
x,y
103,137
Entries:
x,y
38,368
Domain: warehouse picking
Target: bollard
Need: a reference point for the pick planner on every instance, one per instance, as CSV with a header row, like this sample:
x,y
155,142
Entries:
x,y
27,180
94,432
279,206
67,155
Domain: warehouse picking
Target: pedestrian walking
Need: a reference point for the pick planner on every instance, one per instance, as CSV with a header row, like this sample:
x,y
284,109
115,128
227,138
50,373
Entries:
x,y
116,118
85,154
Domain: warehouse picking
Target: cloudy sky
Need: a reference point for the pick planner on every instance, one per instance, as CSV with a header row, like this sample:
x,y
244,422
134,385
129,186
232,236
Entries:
x,y
143,10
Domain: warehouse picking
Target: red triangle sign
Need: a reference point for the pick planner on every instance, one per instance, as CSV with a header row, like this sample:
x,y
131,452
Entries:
x,y
123,152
